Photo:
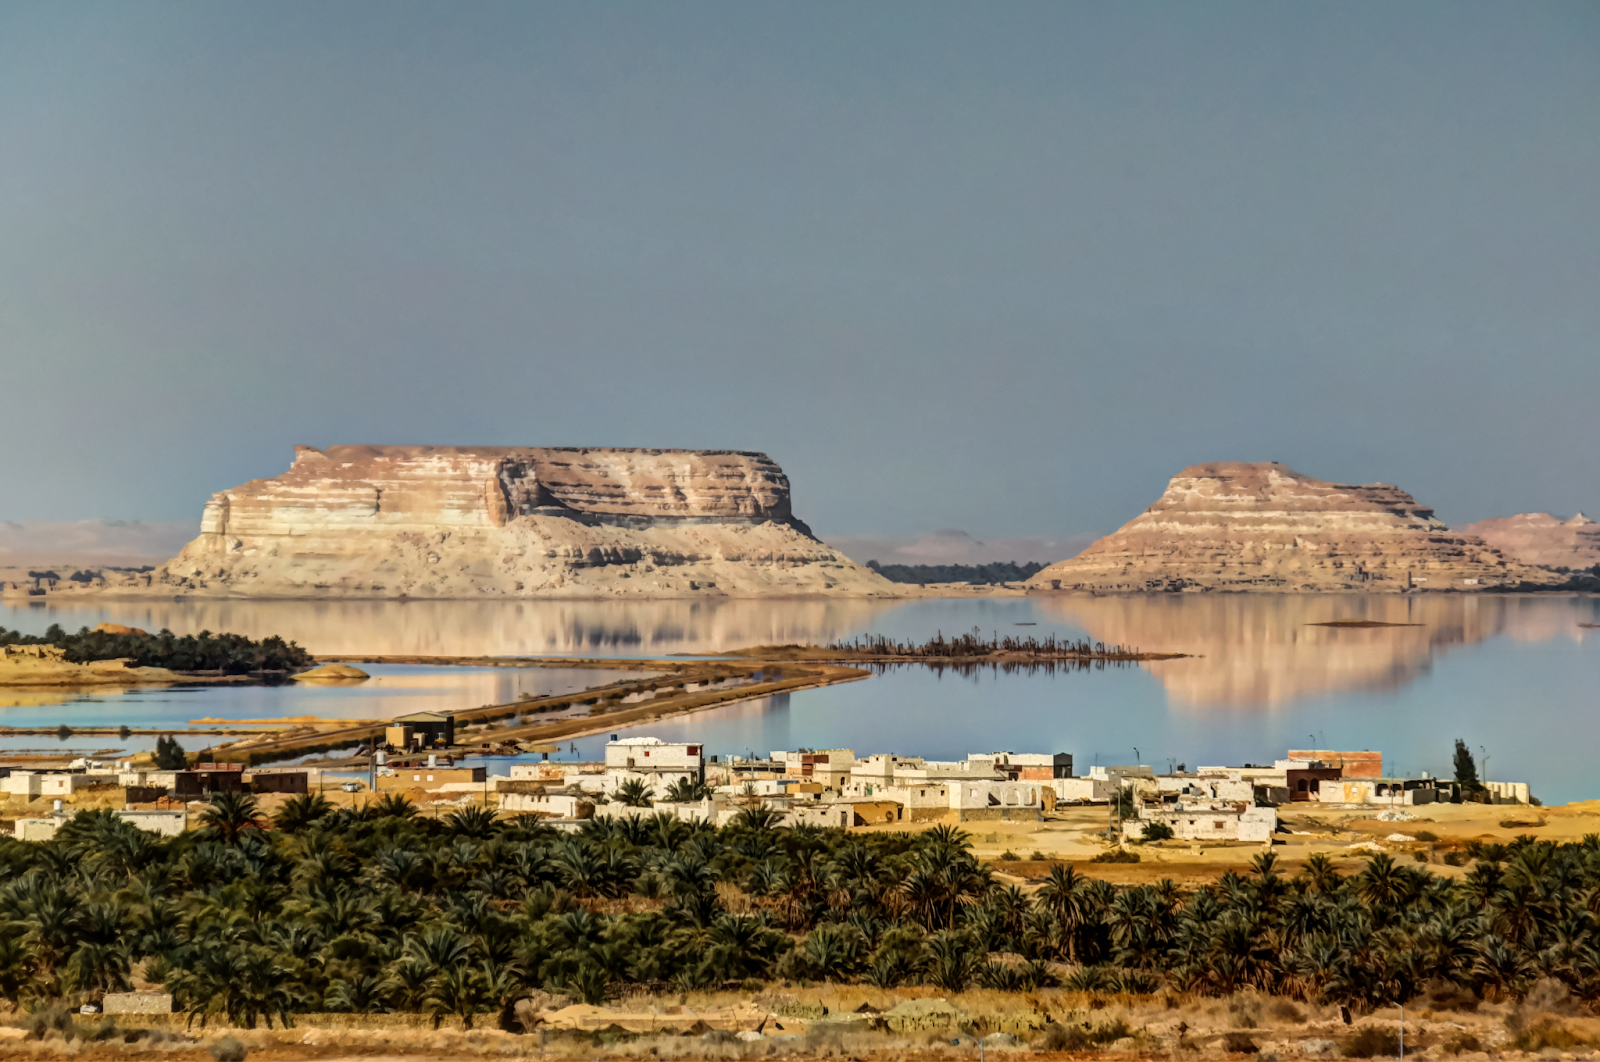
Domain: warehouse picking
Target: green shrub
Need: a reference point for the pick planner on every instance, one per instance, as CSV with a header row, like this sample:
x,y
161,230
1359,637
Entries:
x,y
1116,855
1060,1036
1157,831
1009,856
1427,836
1238,1043
49,1018
1371,1041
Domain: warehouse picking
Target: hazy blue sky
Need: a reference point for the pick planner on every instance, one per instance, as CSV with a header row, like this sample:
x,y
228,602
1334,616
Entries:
x,y
1002,267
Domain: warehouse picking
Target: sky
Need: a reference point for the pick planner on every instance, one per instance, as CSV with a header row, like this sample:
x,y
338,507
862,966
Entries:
x,y
995,268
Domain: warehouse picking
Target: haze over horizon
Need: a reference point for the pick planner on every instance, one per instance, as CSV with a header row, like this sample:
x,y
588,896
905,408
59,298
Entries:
x,y
1004,269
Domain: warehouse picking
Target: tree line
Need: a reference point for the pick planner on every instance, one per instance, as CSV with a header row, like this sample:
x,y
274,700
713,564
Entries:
x,y
379,909
974,644
996,572
231,654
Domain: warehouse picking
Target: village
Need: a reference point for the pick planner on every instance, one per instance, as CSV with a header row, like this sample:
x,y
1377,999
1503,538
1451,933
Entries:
x,y
829,788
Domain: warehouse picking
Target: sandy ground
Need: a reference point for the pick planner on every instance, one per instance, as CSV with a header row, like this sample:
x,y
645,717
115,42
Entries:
x,y
1348,834
828,1022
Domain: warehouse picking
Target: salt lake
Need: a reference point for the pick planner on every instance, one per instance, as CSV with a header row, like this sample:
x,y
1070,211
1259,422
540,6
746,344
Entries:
x,y
1516,676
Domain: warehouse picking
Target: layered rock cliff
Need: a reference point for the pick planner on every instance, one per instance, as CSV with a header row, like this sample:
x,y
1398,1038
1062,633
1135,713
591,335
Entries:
x,y
445,521
1539,538
1265,527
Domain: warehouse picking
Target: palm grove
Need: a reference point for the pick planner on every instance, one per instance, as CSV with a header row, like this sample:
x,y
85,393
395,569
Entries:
x,y
381,909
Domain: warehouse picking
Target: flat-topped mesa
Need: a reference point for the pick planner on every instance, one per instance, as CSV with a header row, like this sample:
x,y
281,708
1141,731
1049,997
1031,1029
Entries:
x,y
458,521
1260,526
1539,538
488,486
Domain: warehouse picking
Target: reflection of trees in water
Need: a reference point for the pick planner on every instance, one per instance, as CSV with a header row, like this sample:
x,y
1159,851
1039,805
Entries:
x,y
498,628
973,669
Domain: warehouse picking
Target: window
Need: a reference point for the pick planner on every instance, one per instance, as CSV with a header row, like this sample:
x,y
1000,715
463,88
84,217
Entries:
x,y
1218,824
694,750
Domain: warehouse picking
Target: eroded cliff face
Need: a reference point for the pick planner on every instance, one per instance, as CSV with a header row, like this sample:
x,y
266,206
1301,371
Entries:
x,y
1264,527
438,521
1539,538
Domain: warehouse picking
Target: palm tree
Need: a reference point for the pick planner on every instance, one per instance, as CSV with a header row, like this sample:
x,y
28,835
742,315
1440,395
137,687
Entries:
x,y
395,806
686,790
1064,895
633,793
475,822
230,814
298,812
457,990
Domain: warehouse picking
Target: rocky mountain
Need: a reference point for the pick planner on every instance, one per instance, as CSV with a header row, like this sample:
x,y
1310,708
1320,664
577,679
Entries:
x,y
449,521
1264,527
1539,538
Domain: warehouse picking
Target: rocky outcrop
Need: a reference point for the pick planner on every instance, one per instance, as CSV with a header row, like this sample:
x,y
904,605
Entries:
x,y
447,521
1263,527
1539,538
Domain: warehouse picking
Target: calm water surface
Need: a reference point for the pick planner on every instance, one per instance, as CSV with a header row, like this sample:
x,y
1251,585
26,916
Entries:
x,y
1515,675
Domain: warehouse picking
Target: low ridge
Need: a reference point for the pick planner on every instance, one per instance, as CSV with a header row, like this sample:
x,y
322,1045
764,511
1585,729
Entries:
x,y
1539,538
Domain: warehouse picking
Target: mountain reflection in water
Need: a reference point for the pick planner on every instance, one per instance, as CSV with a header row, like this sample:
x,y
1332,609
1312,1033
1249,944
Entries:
x,y
1264,650
1248,651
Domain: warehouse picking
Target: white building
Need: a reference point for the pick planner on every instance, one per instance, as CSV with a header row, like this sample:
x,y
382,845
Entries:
x,y
659,764
979,800
166,823
1210,820
555,805
30,785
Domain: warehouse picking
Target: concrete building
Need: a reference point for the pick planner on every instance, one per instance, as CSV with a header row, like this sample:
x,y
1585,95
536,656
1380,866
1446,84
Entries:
x,y
1209,820
1027,766
1508,792
1363,764
291,782
200,785
423,730
431,777
693,811
31,785
1387,792
980,801
43,828
830,767
868,812
556,805
825,815
659,764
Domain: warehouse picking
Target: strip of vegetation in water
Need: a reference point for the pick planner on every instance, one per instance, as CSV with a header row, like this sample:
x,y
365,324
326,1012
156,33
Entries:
x,y
974,646
379,909
229,654
998,572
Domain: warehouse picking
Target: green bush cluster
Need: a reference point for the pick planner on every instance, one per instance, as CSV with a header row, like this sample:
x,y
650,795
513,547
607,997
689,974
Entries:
x,y
231,654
